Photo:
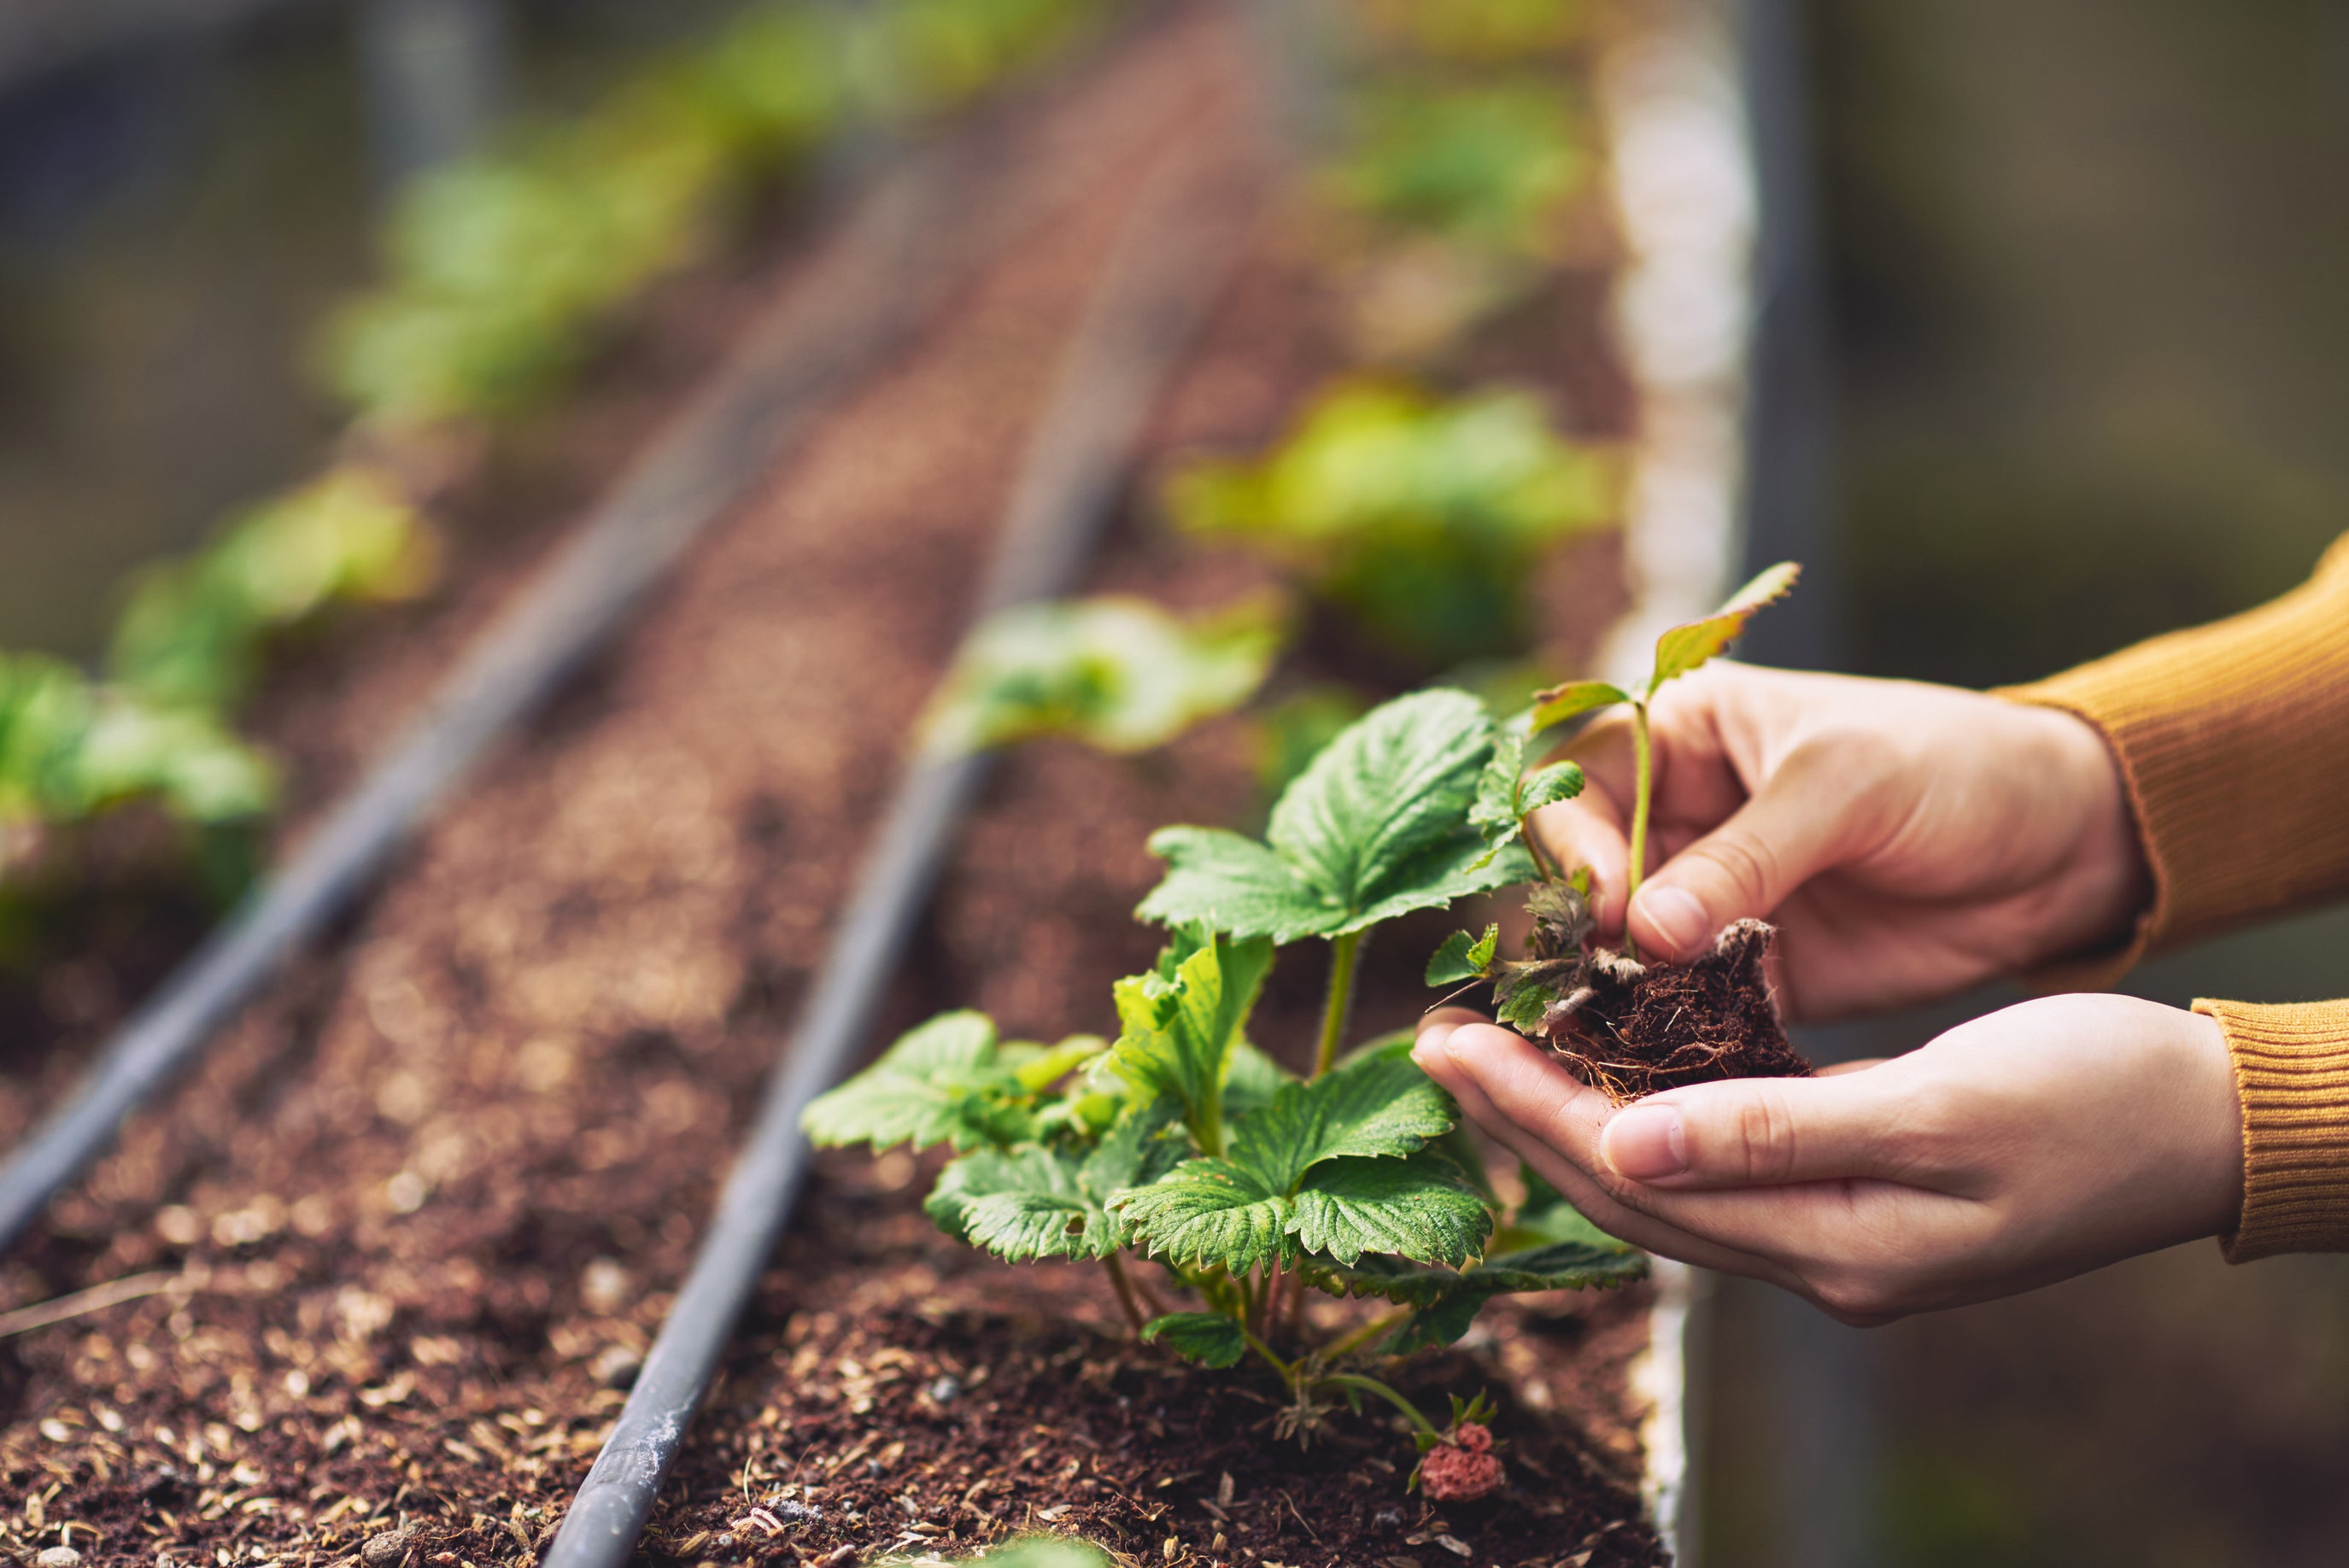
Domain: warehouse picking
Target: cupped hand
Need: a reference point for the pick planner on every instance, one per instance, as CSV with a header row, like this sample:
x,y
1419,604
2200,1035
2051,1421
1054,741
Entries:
x,y
1908,839
2035,1143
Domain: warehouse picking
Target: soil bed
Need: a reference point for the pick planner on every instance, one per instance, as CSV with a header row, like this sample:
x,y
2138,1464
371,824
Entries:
x,y
411,1221
899,1393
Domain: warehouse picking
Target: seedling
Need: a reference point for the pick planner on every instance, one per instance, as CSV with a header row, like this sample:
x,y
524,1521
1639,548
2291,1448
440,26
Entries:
x,y
1420,516
1681,649
1118,674
1182,1143
1656,1024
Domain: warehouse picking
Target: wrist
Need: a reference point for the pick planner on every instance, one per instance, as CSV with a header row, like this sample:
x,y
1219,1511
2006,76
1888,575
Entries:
x,y
2102,893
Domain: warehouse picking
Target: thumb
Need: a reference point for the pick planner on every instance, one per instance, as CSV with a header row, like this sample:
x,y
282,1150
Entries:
x,y
1803,820
1767,1132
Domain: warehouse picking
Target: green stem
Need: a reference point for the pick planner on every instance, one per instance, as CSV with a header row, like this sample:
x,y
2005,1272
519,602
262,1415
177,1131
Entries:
x,y
1356,1338
1642,785
1541,861
1287,1370
1340,1000
1124,1287
1208,1128
1372,1386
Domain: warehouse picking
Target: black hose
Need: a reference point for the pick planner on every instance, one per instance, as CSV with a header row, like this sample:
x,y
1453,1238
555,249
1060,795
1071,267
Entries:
x,y
1171,259
864,298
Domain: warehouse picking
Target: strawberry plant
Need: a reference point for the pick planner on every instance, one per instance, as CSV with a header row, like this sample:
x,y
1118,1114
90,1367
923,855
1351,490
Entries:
x,y
1659,1027
1118,674
1420,516
1182,1142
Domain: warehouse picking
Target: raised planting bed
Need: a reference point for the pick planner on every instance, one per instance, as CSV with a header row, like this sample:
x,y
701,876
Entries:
x,y
409,1231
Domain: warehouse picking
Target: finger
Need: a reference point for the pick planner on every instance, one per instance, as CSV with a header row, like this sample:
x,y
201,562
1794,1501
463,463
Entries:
x,y
1808,816
1586,832
1552,1126
1775,1132
1438,1022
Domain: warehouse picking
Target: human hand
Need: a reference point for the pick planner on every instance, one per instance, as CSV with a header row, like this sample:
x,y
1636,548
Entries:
x,y
2035,1143
1908,839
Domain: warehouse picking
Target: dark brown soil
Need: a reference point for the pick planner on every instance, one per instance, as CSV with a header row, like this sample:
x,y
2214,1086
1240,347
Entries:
x,y
897,1393
404,1232
1640,1029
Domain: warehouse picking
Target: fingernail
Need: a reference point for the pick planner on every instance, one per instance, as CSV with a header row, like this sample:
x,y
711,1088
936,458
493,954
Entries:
x,y
1431,1038
1675,912
1645,1142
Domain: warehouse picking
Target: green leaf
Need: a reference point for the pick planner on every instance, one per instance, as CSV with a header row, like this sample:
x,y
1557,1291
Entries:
x,y
1687,646
1417,1208
1252,1081
1448,1300
1525,996
1207,1337
1339,1163
941,1083
1024,1205
1039,1067
1546,1217
1118,674
1572,700
1548,785
1461,958
1050,1202
1379,1106
1181,1022
1208,1214
1375,827
1496,808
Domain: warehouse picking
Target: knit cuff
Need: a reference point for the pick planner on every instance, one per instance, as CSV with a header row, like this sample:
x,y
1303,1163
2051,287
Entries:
x,y
2231,740
2291,1071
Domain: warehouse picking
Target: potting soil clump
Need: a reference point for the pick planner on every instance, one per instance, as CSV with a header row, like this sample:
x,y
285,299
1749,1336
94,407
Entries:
x,y
1631,1029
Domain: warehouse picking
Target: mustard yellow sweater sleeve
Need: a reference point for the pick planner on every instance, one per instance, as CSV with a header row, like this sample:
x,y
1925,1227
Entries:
x,y
2233,739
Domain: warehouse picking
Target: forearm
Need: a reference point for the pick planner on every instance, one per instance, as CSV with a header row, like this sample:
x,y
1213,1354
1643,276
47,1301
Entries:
x,y
2234,742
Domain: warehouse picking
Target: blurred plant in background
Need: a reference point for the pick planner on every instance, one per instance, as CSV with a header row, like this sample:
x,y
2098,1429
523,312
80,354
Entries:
x,y
1420,516
1486,165
193,631
504,269
1482,32
1118,674
505,274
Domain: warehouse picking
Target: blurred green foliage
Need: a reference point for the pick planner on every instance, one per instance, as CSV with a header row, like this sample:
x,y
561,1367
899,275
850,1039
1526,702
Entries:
x,y
505,269
502,270
71,748
1116,672
1420,516
1488,164
193,631
1289,731
1484,32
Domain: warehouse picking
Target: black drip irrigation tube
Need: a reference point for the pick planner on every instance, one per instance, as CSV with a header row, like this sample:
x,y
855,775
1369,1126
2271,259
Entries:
x,y
1170,261
917,234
